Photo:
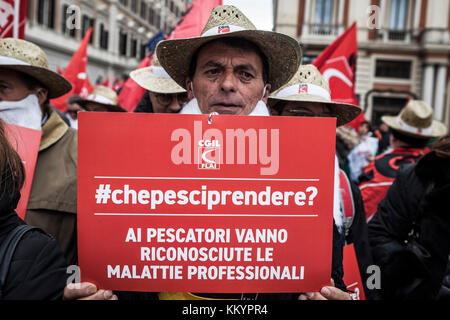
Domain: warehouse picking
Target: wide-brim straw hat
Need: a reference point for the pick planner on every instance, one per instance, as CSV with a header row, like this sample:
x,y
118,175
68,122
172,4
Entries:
x,y
308,85
156,79
102,96
26,57
283,53
416,120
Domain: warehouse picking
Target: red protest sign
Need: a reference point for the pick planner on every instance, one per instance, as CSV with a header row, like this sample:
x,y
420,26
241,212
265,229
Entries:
x,y
352,277
26,143
175,203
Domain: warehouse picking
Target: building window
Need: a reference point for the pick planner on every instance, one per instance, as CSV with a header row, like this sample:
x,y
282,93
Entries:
x,y
65,15
143,51
386,106
103,37
143,10
134,6
393,69
398,14
122,43
46,13
151,16
398,20
133,48
124,3
86,23
323,17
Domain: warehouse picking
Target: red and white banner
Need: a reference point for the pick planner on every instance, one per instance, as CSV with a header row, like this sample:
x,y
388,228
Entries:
x,y
179,203
352,276
9,23
26,143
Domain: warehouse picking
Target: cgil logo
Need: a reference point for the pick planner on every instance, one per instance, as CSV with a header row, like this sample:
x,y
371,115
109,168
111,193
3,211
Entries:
x,y
210,148
206,151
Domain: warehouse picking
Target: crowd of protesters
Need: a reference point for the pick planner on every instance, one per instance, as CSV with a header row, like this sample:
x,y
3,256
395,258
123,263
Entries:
x,y
398,174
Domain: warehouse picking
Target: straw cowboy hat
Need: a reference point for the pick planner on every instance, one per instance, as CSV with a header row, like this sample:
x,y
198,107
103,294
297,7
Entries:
x,y
103,96
283,53
416,120
308,85
26,57
156,79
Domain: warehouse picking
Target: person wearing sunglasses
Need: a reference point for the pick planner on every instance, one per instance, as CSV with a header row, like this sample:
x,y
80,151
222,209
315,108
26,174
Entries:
x,y
163,94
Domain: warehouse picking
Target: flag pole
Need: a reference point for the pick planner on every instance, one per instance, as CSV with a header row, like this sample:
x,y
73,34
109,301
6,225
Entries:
x,y
16,19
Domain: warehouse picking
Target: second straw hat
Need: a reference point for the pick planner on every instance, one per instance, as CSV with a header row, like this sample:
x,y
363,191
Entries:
x,y
156,79
308,85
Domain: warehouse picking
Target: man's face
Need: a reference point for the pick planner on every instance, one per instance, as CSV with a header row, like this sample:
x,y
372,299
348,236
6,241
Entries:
x,y
14,88
168,103
227,80
363,129
73,109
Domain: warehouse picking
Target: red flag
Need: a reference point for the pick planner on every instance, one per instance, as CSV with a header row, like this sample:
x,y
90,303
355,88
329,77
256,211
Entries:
x,y
337,63
193,22
7,15
76,74
191,25
131,92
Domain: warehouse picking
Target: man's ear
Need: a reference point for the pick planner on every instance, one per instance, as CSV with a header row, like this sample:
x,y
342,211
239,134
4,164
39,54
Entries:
x,y
190,89
266,94
42,95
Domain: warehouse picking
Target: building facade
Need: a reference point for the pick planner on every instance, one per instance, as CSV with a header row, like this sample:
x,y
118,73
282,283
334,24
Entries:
x,y
403,47
121,30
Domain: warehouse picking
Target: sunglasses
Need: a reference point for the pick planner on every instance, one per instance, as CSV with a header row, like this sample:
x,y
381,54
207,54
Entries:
x,y
166,99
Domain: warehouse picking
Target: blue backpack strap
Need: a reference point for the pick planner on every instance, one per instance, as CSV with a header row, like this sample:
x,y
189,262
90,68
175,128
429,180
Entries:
x,y
7,249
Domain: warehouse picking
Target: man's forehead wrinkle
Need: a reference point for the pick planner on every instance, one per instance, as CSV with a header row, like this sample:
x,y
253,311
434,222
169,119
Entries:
x,y
224,61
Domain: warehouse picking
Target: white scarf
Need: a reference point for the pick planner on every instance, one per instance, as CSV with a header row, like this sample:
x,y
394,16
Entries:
x,y
25,113
192,108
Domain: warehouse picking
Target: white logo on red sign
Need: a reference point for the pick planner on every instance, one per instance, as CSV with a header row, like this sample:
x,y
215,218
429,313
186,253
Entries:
x,y
206,149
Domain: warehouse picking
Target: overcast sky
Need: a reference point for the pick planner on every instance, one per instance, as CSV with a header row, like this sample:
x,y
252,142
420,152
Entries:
x,y
260,12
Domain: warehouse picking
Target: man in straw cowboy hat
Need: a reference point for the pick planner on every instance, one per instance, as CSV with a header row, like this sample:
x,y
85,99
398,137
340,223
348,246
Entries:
x,y
230,69
307,94
26,85
164,94
412,130
101,99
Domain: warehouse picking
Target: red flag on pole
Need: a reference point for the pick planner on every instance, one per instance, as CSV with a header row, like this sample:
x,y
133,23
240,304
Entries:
x,y
193,22
13,18
76,74
337,63
191,25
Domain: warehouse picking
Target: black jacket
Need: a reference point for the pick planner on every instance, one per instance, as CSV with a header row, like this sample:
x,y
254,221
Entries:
x,y
38,268
418,200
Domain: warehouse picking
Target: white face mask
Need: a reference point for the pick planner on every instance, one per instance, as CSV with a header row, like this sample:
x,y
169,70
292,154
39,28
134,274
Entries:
x,y
26,113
